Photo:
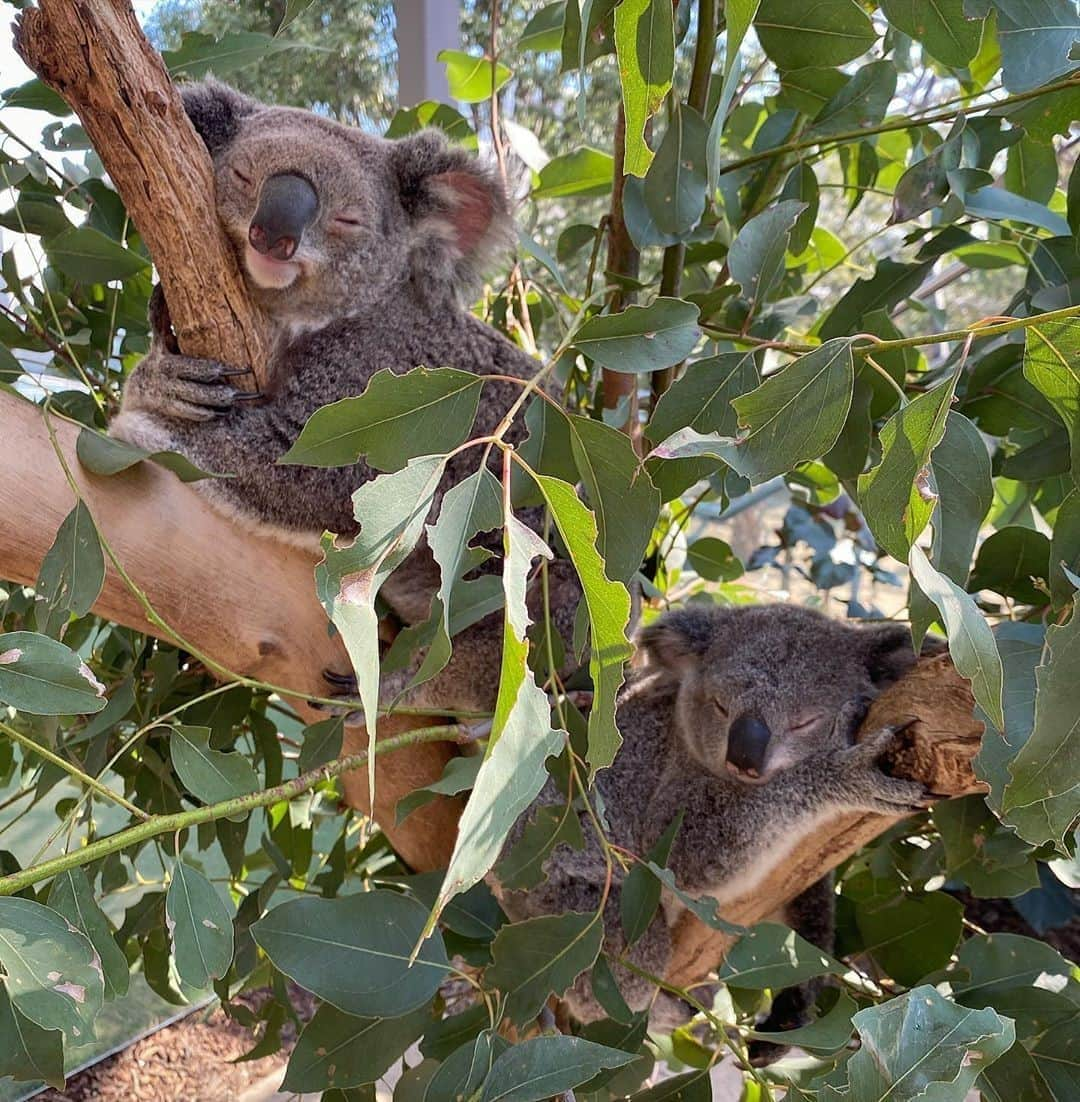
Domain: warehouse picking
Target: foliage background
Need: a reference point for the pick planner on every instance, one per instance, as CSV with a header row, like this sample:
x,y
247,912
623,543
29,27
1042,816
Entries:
x,y
874,180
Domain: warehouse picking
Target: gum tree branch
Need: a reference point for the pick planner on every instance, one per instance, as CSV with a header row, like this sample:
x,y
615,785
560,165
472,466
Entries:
x,y
94,54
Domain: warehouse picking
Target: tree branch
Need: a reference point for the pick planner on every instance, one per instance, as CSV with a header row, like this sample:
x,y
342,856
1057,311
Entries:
x,y
245,600
93,53
936,750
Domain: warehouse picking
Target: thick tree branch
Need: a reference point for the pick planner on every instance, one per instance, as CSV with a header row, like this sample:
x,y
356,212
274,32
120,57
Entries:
x,y
246,601
95,55
936,750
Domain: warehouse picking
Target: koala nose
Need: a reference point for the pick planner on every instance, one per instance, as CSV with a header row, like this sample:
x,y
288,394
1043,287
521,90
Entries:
x,y
287,206
748,745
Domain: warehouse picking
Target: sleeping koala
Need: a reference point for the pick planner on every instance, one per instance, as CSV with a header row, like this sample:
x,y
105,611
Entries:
x,y
361,253
744,720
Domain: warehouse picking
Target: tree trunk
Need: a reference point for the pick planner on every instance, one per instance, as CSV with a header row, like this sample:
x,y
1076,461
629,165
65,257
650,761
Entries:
x,y
244,600
95,55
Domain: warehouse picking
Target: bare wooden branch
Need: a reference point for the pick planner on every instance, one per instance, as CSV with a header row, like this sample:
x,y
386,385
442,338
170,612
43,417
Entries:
x,y
936,750
95,55
246,601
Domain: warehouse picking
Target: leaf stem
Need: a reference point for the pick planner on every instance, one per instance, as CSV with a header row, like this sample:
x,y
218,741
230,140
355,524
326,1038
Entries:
x,y
156,825
72,770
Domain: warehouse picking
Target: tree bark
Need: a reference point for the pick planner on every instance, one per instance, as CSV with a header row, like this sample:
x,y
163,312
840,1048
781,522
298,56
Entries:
x,y
244,600
95,55
936,750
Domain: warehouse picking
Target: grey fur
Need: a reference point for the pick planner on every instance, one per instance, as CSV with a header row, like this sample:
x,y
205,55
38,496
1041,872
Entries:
x,y
383,291
704,668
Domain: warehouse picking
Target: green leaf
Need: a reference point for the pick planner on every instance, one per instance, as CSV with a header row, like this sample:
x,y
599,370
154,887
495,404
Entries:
x,y
704,908
1065,549
826,1034
861,103
1052,366
772,955
714,560
472,79
971,642
608,606
51,971
693,1086
997,204
925,184
756,257
898,496
106,455
464,1071
1036,38
293,10
622,496
645,45
1032,169
921,1042
989,858
1043,797
200,925
210,775
991,965
552,825
1021,647
583,171
802,186
699,399
321,743
392,509
397,418
548,1065
72,572
961,470
340,1050
87,255
910,936
640,894
459,775
675,185
795,36
808,90
354,952
544,31
71,896
641,338
43,677
794,416
1008,561
541,957
28,1052
889,285
201,54
36,95
941,27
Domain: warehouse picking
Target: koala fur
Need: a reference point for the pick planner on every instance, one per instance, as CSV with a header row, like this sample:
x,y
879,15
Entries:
x,y
808,680
361,259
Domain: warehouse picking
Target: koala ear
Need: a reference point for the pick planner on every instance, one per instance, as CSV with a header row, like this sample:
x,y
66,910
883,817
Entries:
x,y
215,110
677,641
457,205
889,653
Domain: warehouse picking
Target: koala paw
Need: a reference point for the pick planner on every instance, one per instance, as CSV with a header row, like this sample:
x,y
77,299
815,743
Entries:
x,y
185,388
763,1053
871,787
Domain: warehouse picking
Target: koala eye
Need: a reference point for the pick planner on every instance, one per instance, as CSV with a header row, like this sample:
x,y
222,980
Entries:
x,y
241,177
806,724
347,221
721,711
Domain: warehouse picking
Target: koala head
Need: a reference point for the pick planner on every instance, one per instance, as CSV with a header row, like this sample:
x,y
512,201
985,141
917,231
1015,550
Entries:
x,y
328,220
761,688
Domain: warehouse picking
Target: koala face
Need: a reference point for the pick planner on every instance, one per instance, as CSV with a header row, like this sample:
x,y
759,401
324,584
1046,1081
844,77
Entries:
x,y
762,688
328,220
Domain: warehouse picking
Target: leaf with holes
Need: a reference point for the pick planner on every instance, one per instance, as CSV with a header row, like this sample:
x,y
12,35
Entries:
x,y
1052,366
43,677
71,896
200,925
645,45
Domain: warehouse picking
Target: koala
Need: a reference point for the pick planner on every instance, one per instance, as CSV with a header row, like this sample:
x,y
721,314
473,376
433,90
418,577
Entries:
x,y
361,253
743,720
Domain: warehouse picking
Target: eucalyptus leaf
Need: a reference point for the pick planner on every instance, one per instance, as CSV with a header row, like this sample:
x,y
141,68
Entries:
x,y
645,45
200,925
641,338
43,677
71,896
209,774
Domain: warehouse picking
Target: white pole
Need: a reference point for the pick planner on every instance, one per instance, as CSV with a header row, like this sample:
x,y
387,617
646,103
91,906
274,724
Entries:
x,y
424,27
